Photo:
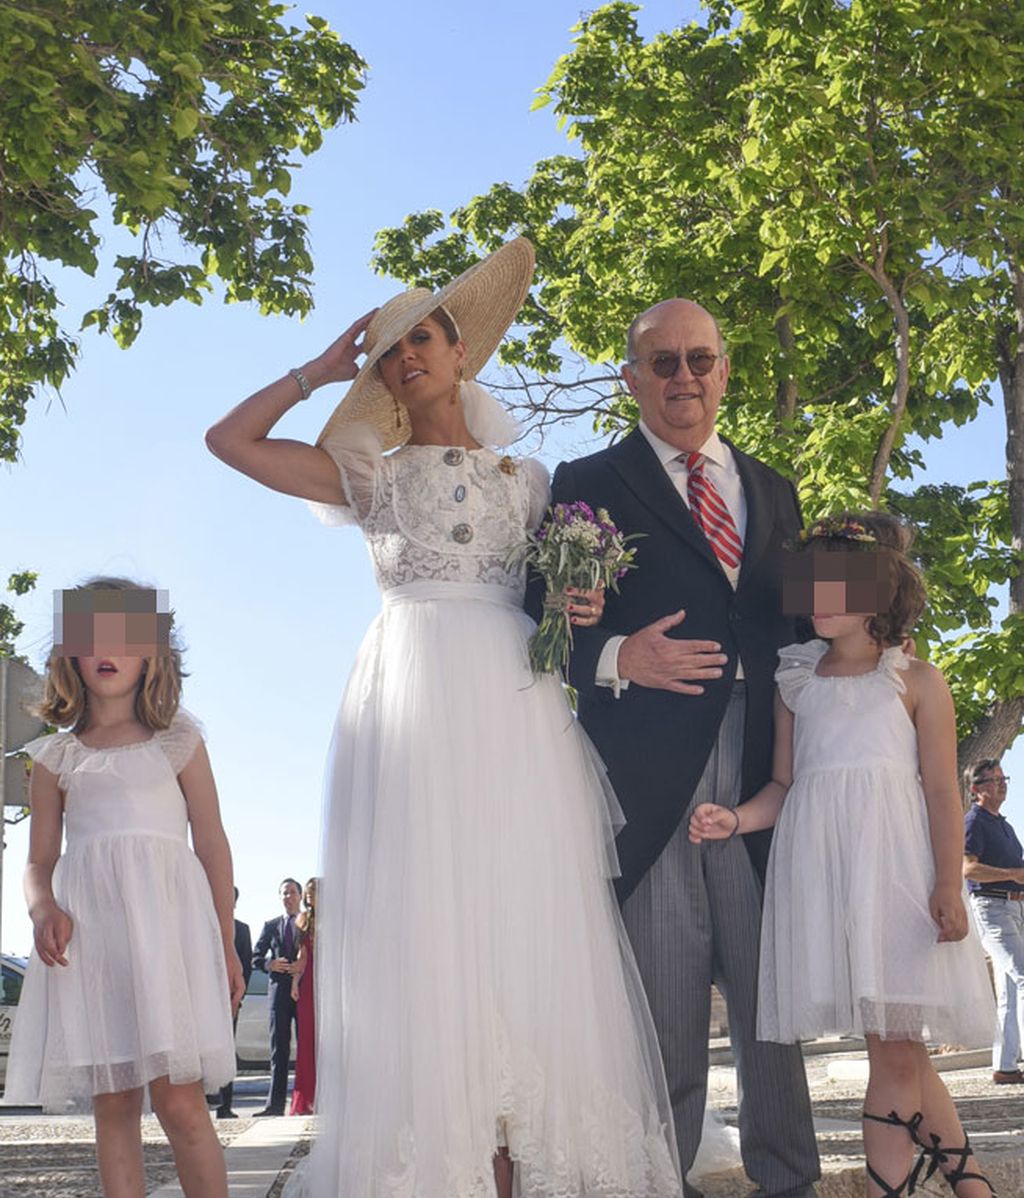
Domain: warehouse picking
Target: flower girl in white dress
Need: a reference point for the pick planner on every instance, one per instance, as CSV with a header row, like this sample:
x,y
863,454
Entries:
x,y
479,1009
865,928
134,973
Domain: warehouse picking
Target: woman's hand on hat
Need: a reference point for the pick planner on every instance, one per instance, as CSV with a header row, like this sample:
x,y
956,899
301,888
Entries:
x,y
337,364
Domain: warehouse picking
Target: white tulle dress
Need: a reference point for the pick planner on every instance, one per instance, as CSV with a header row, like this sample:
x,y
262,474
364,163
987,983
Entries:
x,y
145,992
475,985
848,943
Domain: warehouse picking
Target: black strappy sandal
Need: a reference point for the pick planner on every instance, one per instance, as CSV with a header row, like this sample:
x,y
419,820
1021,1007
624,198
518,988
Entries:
x,y
909,1183
939,1156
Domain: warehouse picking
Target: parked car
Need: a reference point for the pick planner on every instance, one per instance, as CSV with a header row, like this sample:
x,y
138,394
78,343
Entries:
x,y
12,974
252,1037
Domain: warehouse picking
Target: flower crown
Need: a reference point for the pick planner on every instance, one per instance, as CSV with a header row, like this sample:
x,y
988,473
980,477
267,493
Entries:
x,y
837,528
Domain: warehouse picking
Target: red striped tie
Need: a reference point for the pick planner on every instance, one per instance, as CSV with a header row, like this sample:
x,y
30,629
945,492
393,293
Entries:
x,y
711,514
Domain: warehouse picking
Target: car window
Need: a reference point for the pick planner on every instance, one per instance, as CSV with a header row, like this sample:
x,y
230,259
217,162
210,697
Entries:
x,y
258,982
10,987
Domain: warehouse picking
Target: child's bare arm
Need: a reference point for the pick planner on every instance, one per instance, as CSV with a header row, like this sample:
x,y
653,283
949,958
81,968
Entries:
x,y
935,721
52,927
709,821
212,849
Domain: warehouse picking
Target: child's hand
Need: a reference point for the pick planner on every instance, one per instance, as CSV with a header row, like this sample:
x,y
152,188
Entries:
x,y
52,929
236,979
711,822
948,911
585,608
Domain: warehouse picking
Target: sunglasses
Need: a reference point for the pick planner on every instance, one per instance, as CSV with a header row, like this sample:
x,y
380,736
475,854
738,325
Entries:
x,y
665,365
998,781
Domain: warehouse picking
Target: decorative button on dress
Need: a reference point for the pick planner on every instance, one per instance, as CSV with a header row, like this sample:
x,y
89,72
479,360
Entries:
x,y
476,988
145,991
848,943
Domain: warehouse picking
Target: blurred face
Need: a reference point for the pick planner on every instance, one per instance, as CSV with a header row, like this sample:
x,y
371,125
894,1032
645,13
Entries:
x,y
111,634
678,374
309,894
423,367
290,897
840,590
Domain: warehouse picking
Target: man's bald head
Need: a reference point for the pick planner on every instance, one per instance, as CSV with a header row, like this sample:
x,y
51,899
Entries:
x,y
677,371
666,308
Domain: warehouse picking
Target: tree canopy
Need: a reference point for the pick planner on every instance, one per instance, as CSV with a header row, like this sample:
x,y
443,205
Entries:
x,y
178,123
840,183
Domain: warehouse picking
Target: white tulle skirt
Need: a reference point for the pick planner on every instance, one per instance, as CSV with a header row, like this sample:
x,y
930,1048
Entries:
x,y
144,992
475,986
848,943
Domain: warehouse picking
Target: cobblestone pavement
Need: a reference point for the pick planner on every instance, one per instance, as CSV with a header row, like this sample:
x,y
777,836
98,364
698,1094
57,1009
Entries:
x,y
54,1157
51,1157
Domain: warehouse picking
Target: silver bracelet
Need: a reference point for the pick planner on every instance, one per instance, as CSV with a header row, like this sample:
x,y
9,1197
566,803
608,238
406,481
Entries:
x,y
303,382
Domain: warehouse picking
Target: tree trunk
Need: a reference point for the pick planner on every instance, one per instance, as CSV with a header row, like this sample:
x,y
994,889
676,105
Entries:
x,y
898,404
1001,726
786,391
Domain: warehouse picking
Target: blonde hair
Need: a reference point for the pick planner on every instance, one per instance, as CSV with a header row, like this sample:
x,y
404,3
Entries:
x,y
65,700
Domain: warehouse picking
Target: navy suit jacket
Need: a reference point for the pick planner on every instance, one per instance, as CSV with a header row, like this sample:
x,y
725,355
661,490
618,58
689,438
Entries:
x,y
271,942
656,743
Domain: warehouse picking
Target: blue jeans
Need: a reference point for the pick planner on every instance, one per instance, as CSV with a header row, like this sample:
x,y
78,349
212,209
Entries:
x,y
1001,926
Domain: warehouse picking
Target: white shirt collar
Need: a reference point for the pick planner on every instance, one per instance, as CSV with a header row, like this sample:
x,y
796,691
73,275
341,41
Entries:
x,y
714,449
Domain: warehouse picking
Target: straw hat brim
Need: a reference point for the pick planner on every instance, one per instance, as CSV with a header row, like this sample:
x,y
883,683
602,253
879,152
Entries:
x,y
483,301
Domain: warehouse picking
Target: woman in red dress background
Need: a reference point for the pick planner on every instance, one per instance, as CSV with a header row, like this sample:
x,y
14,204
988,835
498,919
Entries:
x,y
303,983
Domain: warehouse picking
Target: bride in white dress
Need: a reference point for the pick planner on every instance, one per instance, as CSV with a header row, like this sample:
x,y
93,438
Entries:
x,y
479,1009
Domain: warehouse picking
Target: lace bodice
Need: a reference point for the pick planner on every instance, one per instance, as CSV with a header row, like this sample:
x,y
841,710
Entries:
x,y
434,513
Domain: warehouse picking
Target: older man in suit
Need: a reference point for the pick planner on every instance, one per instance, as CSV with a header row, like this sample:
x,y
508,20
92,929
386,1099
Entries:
x,y
675,688
280,940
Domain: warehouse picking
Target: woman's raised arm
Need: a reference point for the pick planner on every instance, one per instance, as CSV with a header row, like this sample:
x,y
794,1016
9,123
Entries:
x,y
294,467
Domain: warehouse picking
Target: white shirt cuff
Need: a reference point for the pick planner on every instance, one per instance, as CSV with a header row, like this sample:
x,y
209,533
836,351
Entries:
x,y
608,667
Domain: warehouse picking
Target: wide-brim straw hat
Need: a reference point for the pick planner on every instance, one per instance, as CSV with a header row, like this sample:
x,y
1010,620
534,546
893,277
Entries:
x,y
483,302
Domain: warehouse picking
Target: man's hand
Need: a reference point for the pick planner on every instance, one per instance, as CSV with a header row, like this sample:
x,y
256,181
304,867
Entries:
x,y
650,658
280,965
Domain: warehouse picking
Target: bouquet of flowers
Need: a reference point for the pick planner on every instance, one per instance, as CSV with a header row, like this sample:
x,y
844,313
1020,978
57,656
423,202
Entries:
x,y
574,547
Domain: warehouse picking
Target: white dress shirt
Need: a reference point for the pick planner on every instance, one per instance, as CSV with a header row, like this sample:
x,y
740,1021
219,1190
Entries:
x,y
720,470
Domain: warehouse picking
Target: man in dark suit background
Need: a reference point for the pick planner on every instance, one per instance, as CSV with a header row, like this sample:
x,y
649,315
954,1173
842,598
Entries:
x,y
675,688
243,947
280,940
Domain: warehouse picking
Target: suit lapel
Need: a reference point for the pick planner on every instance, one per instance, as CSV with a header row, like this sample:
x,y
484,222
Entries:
x,y
638,466
760,503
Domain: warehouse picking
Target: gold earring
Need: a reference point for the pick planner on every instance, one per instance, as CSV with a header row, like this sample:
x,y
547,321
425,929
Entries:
x,y
455,387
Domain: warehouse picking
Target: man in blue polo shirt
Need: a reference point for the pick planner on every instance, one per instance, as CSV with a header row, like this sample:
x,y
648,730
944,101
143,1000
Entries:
x,y
994,869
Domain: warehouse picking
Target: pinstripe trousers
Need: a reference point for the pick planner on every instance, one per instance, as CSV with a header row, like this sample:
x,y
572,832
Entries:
x,y
695,919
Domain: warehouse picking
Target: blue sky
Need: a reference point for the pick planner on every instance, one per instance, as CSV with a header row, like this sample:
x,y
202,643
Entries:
x,y
271,604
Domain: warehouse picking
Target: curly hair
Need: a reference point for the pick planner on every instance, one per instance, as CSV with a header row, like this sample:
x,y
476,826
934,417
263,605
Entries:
x,y
306,919
901,582
64,700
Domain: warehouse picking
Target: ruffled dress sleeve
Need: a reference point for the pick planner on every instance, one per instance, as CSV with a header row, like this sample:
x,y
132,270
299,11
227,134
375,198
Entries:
x,y
58,752
539,485
180,740
796,667
892,665
356,451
